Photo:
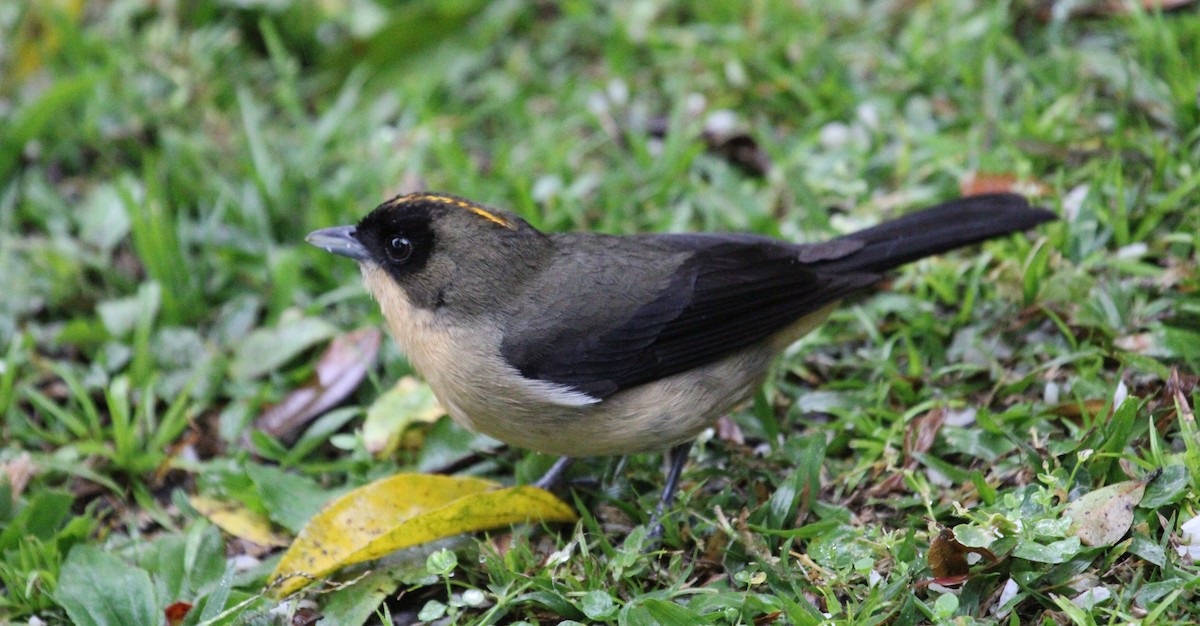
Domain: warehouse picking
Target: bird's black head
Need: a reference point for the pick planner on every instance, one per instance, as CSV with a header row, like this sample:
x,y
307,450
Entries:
x,y
399,238
433,247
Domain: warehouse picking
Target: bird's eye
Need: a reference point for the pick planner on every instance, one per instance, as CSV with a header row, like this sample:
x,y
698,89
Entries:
x,y
399,249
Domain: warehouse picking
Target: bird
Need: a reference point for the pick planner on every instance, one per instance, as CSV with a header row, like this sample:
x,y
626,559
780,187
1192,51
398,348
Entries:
x,y
586,344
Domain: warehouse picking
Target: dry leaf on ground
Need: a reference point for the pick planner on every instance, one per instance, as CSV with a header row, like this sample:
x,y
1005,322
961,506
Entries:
x,y
1103,516
342,367
237,520
403,511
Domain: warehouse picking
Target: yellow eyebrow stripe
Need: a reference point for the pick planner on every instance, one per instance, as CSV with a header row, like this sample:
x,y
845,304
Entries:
x,y
462,204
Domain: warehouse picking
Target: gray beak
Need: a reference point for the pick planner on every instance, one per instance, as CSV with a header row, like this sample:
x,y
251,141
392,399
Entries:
x,y
339,240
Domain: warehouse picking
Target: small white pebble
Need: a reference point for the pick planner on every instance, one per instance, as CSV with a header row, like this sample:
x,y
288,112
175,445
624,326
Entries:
x,y
721,122
834,135
1120,394
618,91
1133,251
1051,393
735,73
597,104
868,114
545,188
244,563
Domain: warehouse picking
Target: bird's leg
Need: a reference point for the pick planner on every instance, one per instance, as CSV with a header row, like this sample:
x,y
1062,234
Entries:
x,y
553,478
676,458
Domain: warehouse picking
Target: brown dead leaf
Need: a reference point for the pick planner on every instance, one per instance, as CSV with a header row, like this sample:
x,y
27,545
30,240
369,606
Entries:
x,y
947,557
946,581
1178,385
176,611
978,183
305,616
1186,414
767,618
338,373
18,472
1109,8
729,431
890,484
1074,411
921,434
1186,381
501,543
974,183
716,547
918,438
612,518
1165,5
182,448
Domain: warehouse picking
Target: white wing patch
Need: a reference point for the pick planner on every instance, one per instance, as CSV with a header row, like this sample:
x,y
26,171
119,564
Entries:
x,y
555,393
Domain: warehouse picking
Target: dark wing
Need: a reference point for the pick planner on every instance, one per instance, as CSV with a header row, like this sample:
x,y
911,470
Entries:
x,y
730,293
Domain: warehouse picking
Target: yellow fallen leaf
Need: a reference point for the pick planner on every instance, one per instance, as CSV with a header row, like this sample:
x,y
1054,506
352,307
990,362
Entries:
x,y
403,511
1103,516
239,521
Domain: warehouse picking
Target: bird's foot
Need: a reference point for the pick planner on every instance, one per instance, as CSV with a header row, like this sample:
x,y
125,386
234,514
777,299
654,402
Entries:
x,y
554,477
676,458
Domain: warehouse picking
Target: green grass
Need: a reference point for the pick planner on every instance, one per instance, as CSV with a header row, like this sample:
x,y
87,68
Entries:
x,y
160,164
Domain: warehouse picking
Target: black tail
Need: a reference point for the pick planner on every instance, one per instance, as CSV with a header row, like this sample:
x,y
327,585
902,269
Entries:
x,y
947,226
